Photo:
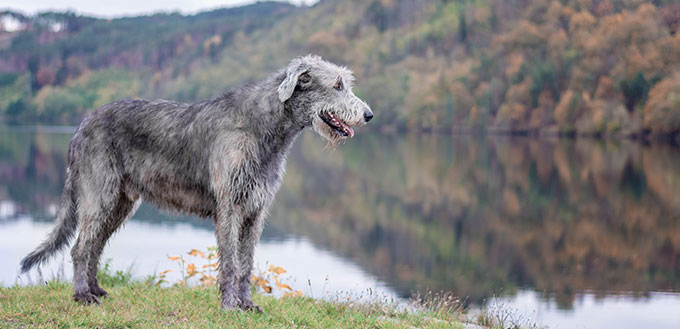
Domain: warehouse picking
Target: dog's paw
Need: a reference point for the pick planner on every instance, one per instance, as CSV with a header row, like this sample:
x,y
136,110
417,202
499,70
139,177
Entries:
x,y
250,307
99,292
86,298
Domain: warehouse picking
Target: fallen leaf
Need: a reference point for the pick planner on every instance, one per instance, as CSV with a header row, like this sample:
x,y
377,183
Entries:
x,y
191,269
276,269
282,286
196,252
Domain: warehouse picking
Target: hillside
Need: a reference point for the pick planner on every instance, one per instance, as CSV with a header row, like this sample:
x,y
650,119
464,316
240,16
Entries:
x,y
57,66
594,67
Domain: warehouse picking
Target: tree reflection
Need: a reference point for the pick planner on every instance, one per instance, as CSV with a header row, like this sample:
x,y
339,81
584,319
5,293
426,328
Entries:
x,y
485,216
473,215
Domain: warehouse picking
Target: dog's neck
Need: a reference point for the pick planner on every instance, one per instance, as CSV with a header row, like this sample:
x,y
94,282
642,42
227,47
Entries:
x,y
263,114
279,121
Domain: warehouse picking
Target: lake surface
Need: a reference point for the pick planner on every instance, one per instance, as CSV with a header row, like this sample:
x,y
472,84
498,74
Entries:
x,y
563,233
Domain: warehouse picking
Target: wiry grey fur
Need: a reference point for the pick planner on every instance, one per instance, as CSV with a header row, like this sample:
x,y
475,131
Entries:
x,y
221,158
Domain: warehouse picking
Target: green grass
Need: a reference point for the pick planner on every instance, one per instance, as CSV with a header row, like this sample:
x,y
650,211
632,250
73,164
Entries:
x,y
136,304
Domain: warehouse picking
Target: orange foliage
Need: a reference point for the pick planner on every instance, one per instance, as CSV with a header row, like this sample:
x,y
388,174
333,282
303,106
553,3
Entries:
x,y
662,111
45,76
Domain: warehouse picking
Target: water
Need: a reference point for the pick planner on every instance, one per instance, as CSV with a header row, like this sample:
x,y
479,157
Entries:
x,y
564,233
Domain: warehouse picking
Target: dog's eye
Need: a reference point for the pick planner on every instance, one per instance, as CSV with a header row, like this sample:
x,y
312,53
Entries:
x,y
338,85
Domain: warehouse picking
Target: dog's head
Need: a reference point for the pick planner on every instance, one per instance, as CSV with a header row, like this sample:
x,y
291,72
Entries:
x,y
319,94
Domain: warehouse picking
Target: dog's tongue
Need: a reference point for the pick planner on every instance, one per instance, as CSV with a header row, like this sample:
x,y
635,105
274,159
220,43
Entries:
x,y
347,128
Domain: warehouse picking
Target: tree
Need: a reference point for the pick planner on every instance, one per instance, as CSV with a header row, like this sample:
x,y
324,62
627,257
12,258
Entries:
x,y
635,90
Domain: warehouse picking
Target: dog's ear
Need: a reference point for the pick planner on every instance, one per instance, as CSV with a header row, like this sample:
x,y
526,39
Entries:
x,y
294,74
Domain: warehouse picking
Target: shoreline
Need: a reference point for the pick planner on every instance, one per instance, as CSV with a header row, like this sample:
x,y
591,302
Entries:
x,y
143,304
641,137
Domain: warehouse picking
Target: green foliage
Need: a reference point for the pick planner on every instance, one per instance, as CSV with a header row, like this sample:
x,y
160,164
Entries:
x,y
157,36
15,98
635,90
543,76
378,15
462,27
7,79
59,102
108,278
18,107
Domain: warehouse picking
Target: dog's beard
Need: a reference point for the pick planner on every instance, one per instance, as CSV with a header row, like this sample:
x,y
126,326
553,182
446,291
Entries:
x,y
332,138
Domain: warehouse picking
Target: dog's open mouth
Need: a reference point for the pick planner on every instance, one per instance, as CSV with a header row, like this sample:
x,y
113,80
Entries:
x,y
339,126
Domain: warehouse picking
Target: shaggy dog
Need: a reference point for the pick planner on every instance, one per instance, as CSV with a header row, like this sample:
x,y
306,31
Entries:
x,y
220,158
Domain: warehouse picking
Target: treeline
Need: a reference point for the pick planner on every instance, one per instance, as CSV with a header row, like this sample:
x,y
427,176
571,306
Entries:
x,y
57,66
595,67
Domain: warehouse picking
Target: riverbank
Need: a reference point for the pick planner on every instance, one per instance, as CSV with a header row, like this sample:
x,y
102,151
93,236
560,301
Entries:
x,y
642,136
145,305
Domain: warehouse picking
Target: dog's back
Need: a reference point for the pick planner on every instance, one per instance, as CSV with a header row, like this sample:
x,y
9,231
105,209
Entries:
x,y
159,149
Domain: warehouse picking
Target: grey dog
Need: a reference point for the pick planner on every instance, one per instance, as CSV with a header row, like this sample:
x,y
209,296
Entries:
x,y
221,158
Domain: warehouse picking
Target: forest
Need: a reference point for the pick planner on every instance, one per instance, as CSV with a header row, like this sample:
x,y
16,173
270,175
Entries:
x,y
546,67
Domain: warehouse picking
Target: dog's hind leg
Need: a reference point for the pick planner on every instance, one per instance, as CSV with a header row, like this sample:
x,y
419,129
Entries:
x,y
124,209
99,190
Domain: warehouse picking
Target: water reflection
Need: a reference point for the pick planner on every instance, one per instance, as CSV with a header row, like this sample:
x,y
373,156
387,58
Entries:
x,y
142,248
489,216
476,216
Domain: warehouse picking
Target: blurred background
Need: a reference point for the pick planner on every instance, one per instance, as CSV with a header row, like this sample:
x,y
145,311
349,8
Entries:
x,y
523,153
579,66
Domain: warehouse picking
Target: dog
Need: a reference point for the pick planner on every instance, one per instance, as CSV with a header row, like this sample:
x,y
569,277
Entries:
x,y
221,158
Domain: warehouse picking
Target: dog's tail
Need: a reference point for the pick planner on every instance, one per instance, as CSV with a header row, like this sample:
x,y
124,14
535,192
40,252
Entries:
x,y
66,224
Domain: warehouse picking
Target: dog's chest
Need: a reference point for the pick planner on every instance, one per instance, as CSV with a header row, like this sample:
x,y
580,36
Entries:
x,y
269,175
272,162
254,166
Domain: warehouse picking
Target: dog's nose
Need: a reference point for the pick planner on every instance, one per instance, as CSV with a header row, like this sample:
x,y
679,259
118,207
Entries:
x,y
368,115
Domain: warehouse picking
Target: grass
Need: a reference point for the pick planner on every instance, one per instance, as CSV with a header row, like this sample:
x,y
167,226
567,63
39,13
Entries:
x,y
193,302
142,304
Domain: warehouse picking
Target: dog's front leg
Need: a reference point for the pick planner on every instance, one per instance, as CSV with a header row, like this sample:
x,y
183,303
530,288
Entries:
x,y
250,235
227,230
